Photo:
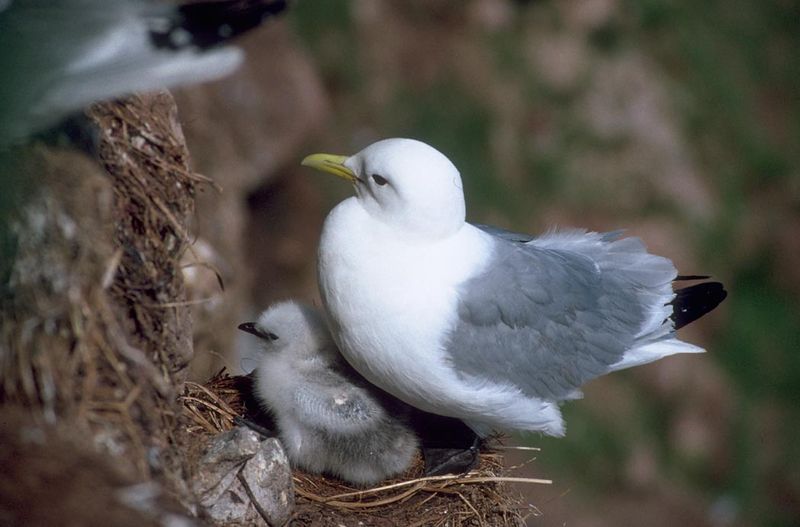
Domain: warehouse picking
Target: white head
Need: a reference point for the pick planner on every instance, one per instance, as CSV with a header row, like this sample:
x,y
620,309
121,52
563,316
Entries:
x,y
404,183
293,327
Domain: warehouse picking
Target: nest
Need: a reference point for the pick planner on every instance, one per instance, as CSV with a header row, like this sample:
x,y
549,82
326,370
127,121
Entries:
x,y
478,498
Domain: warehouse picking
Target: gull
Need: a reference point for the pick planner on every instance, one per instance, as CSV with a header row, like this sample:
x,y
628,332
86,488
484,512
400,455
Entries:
x,y
58,56
328,419
469,321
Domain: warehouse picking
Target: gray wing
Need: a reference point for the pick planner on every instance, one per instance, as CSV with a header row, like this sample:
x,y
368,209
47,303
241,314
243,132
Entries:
x,y
330,402
61,56
550,314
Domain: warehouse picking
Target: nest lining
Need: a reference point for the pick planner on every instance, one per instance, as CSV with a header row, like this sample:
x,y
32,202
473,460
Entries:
x,y
479,498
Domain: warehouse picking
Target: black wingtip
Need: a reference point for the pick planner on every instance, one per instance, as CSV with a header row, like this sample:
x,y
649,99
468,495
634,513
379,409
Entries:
x,y
686,277
207,23
691,303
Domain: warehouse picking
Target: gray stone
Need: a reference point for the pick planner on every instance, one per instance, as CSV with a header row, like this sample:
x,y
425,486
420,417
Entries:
x,y
241,479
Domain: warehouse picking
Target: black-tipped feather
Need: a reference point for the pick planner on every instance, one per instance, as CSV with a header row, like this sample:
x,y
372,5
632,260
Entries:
x,y
209,23
60,56
693,302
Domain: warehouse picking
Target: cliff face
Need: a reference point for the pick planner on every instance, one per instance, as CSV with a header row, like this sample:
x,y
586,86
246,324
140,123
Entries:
x,y
96,333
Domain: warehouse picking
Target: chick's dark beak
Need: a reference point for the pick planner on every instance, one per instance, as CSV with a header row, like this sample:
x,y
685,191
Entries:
x,y
253,329
250,327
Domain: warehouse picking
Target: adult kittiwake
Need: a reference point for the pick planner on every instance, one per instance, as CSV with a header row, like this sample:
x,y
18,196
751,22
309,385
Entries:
x,y
492,327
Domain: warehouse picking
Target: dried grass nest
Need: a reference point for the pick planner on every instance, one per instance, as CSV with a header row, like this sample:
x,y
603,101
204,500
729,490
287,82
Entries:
x,y
479,498
94,333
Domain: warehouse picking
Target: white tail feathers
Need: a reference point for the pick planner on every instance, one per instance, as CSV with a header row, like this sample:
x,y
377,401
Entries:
x,y
653,352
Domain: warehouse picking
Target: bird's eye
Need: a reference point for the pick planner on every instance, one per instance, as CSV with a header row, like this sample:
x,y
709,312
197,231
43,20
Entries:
x,y
271,336
380,180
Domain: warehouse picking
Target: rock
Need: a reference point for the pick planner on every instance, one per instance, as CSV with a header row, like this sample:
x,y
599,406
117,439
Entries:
x,y
560,59
243,132
241,479
242,129
53,475
629,110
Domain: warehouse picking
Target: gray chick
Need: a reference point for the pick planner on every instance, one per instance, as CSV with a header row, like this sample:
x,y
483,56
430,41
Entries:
x,y
329,420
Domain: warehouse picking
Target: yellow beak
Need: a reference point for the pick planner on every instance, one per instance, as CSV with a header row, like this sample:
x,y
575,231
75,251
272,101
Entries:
x,y
332,164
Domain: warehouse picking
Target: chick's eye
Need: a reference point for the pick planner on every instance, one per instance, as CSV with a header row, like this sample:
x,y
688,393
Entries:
x,y
380,180
271,336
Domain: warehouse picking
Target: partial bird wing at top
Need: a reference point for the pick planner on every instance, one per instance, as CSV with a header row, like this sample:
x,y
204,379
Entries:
x,y
58,57
550,314
208,23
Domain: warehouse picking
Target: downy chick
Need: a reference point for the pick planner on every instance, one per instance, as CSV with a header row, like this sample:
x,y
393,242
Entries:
x,y
329,420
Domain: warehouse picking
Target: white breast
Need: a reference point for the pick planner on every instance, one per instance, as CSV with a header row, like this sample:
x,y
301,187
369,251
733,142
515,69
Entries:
x,y
392,302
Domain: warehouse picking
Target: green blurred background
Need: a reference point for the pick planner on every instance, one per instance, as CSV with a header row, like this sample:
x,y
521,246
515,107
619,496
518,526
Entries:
x,y
677,120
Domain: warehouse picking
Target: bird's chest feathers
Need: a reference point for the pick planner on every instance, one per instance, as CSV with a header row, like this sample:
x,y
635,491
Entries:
x,y
391,298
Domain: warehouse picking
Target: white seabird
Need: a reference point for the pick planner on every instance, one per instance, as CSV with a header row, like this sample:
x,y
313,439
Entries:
x,y
58,56
328,419
478,323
